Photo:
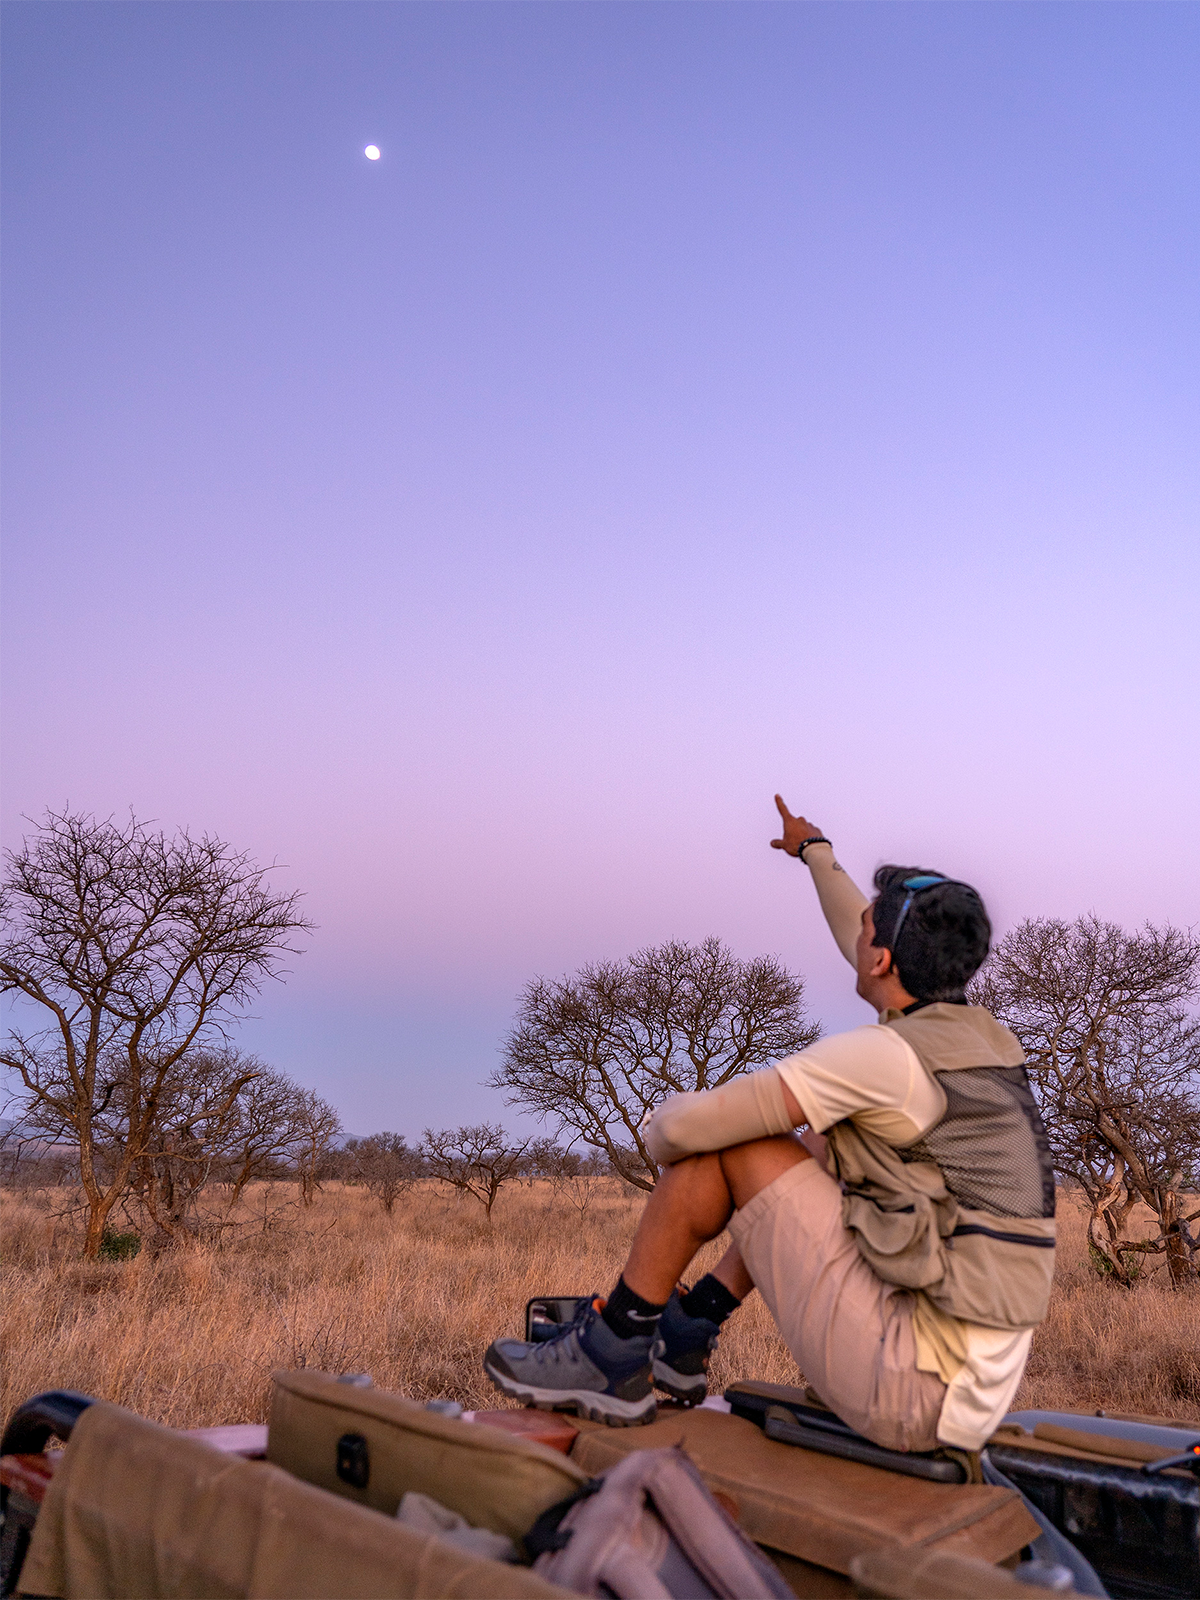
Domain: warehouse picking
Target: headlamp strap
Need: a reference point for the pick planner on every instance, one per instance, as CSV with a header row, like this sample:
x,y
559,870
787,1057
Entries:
x,y
924,880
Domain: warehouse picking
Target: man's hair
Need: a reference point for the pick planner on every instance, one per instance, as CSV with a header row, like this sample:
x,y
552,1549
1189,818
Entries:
x,y
944,937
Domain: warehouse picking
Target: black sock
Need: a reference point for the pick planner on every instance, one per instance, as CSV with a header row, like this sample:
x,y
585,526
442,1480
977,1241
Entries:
x,y
710,1298
628,1315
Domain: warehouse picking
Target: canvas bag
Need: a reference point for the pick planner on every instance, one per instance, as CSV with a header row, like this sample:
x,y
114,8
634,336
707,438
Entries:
x,y
137,1512
493,1478
650,1530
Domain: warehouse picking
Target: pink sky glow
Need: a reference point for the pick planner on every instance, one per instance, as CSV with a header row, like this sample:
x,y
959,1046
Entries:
x,y
692,402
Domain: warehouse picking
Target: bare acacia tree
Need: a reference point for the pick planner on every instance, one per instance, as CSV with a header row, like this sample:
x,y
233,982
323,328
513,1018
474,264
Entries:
x,y
574,1180
384,1164
315,1127
263,1132
196,1112
1114,1054
545,1158
225,1118
137,949
596,1052
474,1161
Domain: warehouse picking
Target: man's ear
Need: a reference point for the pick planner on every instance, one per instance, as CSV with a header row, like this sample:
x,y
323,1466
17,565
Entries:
x,y
881,961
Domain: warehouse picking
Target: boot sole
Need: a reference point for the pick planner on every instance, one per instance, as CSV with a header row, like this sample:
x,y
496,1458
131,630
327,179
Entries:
x,y
583,1402
676,1384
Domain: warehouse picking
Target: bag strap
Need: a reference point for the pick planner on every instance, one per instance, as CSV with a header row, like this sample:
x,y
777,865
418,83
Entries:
x,y
546,1535
969,1460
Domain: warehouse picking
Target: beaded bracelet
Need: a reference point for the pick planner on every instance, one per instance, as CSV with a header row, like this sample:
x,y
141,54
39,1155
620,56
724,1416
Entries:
x,y
816,839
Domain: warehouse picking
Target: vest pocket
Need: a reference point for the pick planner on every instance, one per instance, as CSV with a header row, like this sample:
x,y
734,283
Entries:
x,y
997,1275
904,1246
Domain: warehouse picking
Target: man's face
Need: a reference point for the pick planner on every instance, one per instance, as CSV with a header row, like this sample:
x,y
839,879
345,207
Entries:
x,y
867,956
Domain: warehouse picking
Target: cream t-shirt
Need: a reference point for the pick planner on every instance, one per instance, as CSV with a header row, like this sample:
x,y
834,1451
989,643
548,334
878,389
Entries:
x,y
870,1074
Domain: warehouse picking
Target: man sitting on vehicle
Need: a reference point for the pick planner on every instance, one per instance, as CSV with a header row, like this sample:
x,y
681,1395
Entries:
x,y
906,1257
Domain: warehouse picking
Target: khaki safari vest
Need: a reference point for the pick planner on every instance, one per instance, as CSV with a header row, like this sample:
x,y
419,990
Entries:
x,y
966,1214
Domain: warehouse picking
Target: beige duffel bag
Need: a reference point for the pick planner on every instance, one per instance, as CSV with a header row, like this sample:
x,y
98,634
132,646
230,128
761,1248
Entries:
x,y
385,1445
135,1510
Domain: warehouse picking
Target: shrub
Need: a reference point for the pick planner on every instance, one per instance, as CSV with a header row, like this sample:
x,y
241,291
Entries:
x,y
1132,1261
119,1246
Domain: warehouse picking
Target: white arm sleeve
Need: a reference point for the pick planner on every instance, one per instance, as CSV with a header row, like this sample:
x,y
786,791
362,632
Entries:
x,y
842,901
746,1108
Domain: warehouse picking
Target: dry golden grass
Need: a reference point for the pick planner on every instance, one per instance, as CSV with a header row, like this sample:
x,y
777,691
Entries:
x,y
189,1338
1111,1348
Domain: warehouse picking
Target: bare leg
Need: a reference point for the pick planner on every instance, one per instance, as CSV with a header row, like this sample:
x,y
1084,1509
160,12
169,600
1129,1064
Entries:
x,y
731,1271
691,1204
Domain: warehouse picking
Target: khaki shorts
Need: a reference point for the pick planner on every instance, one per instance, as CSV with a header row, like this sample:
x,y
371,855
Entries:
x,y
850,1332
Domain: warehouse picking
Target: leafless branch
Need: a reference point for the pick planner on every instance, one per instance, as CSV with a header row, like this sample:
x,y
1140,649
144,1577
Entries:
x,y
596,1052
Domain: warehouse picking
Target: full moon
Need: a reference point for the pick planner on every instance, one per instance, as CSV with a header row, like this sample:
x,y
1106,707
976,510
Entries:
x,y
372,152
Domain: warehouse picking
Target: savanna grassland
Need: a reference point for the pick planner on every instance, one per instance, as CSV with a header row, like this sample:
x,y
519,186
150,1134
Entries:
x,y
190,1336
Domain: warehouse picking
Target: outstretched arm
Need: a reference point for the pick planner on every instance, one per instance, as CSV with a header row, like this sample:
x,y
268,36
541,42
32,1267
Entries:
x,y
842,901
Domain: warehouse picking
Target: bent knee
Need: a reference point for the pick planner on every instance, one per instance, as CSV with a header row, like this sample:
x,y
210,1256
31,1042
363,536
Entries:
x,y
750,1167
691,1167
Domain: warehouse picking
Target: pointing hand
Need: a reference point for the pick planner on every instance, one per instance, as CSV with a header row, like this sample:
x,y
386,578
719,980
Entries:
x,y
795,830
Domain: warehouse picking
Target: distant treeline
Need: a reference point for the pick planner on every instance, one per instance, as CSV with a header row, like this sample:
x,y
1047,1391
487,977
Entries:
x,y
270,1131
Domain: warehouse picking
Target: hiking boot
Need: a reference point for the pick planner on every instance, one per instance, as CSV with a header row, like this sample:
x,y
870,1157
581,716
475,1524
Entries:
x,y
585,1369
682,1352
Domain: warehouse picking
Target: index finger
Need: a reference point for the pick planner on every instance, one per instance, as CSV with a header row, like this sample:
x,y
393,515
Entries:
x,y
783,810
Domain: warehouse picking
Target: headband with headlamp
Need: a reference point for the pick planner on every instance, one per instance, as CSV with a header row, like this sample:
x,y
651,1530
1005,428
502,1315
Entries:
x,y
915,886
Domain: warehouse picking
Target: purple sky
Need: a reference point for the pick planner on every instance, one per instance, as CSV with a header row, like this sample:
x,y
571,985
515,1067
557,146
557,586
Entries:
x,y
694,401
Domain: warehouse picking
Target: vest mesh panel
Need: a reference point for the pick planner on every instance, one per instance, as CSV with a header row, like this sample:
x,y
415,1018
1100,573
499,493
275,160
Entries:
x,y
991,1145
